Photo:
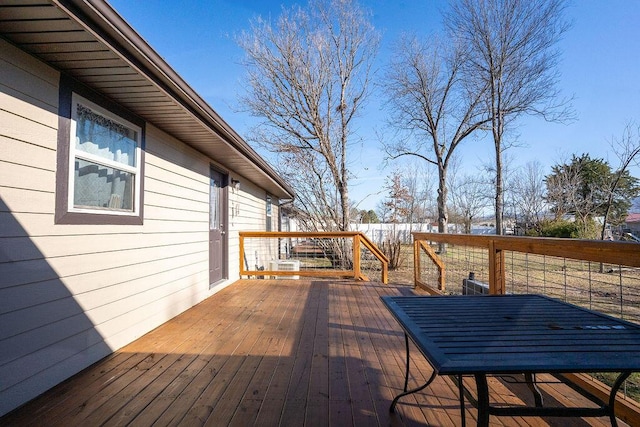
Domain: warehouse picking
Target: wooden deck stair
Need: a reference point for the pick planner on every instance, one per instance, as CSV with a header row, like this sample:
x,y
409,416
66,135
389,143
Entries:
x,y
267,353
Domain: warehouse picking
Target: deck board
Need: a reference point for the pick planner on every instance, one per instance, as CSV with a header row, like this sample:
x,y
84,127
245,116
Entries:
x,y
274,352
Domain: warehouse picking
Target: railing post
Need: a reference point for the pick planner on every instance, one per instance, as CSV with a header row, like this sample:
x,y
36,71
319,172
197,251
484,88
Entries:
x,y
356,257
416,262
241,253
441,277
496,269
385,272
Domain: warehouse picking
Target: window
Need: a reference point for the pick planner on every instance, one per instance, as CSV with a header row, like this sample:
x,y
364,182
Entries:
x,y
104,160
100,161
268,225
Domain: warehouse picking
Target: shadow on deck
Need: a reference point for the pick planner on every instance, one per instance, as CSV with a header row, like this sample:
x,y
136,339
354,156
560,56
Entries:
x,y
273,352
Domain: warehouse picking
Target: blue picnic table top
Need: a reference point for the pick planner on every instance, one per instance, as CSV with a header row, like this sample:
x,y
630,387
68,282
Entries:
x,y
501,334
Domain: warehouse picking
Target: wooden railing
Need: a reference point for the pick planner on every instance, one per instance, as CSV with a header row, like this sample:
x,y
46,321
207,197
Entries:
x,y
314,254
600,275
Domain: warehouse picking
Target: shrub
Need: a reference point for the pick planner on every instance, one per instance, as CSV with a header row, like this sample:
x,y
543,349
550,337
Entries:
x,y
566,229
392,249
558,228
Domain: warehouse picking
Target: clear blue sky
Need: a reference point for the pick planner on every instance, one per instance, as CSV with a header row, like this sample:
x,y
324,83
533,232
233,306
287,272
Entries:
x,y
600,68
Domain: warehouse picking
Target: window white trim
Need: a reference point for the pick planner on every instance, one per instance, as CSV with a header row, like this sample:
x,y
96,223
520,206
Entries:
x,y
74,154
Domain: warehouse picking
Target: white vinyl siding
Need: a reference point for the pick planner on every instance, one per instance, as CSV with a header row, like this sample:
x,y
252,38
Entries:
x,y
70,294
252,216
251,201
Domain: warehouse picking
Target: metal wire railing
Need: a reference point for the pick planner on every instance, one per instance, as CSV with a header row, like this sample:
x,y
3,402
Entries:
x,y
613,289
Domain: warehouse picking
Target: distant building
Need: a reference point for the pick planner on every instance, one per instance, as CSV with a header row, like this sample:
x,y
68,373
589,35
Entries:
x,y
632,224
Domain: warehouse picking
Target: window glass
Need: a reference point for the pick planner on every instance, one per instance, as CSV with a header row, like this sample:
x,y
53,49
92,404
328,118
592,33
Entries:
x,y
104,160
214,203
103,137
268,213
98,186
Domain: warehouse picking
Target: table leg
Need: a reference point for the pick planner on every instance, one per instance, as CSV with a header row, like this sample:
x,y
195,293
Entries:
x,y
415,390
406,371
406,379
531,383
483,400
461,395
612,397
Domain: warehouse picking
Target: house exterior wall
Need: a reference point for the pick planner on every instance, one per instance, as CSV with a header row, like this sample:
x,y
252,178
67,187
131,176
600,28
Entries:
x,y
250,214
72,294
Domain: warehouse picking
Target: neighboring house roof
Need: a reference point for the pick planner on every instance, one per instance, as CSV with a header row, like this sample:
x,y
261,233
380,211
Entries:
x,y
90,41
633,217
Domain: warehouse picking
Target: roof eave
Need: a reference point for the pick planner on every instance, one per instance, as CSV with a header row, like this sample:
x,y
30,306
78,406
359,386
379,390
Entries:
x,y
101,16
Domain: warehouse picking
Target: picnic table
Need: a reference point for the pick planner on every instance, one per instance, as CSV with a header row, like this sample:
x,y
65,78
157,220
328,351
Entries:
x,y
515,334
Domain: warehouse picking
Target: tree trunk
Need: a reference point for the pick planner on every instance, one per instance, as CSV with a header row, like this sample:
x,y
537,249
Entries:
x,y
499,195
499,201
442,200
443,216
344,202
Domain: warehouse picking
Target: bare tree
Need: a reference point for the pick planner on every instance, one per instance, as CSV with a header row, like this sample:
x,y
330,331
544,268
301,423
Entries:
x,y
512,60
399,200
488,173
528,189
398,207
468,197
627,149
308,77
419,181
383,210
430,108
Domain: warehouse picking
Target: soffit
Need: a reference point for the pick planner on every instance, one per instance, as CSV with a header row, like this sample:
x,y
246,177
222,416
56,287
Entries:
x,y
89,41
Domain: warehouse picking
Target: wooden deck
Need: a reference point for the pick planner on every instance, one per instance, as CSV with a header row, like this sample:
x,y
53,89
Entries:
x,y
267,353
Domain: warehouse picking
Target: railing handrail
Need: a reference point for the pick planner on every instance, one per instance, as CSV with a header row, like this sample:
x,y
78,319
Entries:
x,y
311,234
612,252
